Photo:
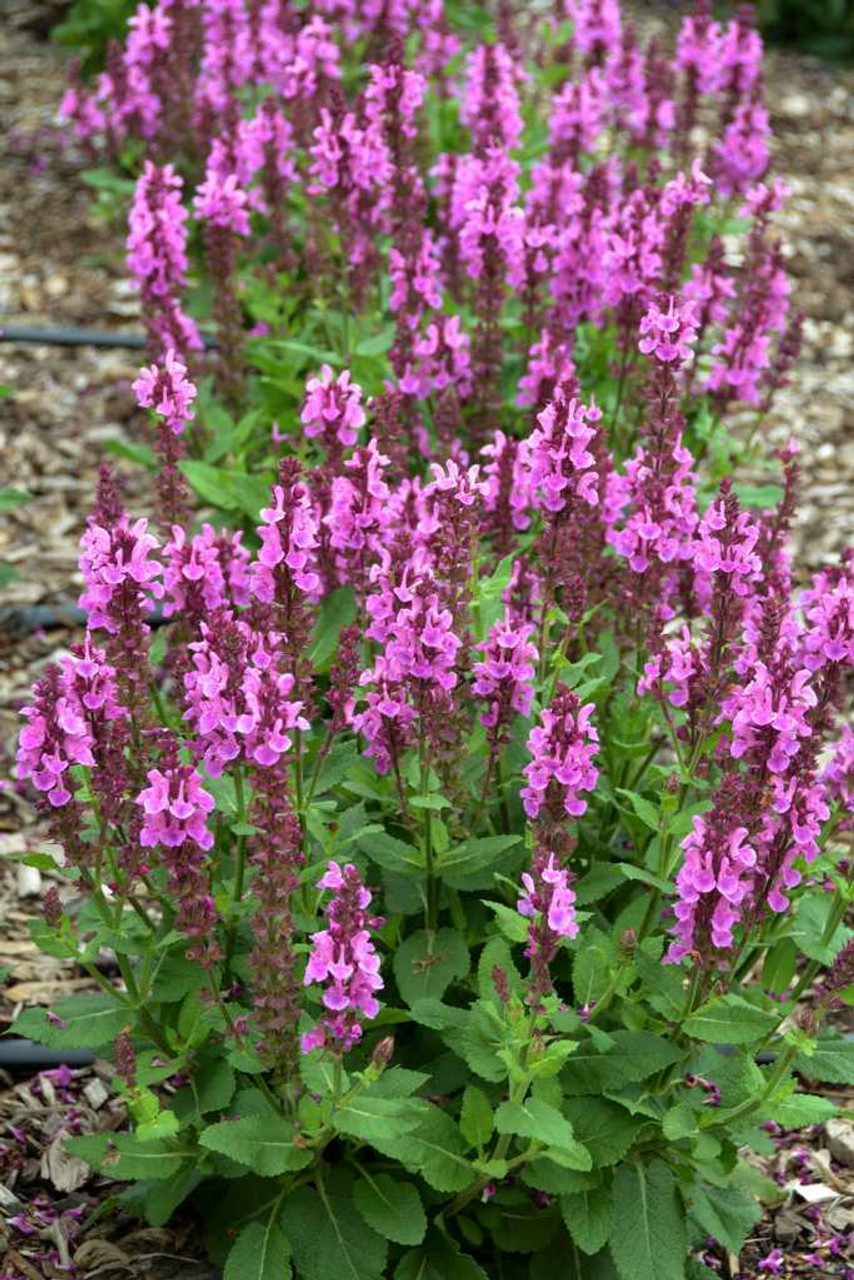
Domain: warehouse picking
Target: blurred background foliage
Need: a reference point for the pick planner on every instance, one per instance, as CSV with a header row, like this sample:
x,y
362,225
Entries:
x,y
824,28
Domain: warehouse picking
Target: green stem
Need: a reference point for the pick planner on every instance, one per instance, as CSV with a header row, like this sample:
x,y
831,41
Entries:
x,y
431,909
240,871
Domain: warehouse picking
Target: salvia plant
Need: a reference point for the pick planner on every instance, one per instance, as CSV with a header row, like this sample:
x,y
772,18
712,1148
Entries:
x,y
457,765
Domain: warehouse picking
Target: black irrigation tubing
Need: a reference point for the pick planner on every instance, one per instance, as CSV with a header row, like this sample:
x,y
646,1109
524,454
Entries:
x,y
77,337
48,617
28,1055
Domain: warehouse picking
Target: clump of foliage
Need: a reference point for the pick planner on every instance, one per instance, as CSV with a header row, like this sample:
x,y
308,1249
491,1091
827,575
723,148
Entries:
x,y
471,824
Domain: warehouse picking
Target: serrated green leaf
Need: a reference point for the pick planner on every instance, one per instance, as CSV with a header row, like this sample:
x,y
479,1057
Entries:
x,y
632,872
812,915
472,865
633,1055
392,854
679,1122
831,1062
436,1151
126,1158
648,1237
439,1258
265,1144
373,1119
593,967
605,1128
643,808
329,1237
160,1199
587,1215
512,925
798,1110
538,1121
84,1022
261,1252
478,1041
476,1118
425,965
391,1207
726,1213
729,1020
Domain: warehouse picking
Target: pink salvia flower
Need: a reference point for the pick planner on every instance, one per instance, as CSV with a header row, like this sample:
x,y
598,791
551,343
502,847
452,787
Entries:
x,y
713,882
597,29
56,736
167,389
551,897
562,748
118,569
562,466
157,257
176,808
504,678
288,540
333,408
223,203
668,335
344,960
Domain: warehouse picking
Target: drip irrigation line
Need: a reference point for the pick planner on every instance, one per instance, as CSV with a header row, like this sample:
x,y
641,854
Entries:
x,y
26,1055
78,337
47,617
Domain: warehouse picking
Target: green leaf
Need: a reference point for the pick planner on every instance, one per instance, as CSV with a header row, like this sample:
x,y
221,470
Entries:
x,y
729,1020
587,1215
538,1121
643,808
126,1158
679,1122
473,865
373,1119
648,1238
436,1151
377,344
85,1022
438,1259
811,920
211,484
160,1199
131,451
799,1110
831,1062
478,1042
632,872
604,1127
391,1207
602,878
476,1119
726,1213
763,497
392,854
425,965
12,498
261,1252
265,1144
634,1055
779,966
593,967
662,983
329,1238
512,925
338,610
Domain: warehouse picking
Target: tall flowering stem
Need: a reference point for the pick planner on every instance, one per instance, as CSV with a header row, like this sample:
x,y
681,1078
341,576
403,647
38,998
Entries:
x,y
343,959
